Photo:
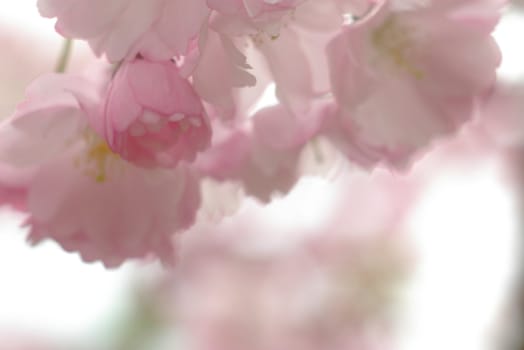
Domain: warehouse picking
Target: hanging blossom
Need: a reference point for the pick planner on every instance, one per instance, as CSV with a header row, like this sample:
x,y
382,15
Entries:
x,y
269,154
409,72
57,167
287,51
200,31
157,29
112,168
153,116
80,193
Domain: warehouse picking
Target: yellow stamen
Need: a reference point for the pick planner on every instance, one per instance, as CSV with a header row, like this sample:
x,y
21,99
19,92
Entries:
x,y
97,158
393,41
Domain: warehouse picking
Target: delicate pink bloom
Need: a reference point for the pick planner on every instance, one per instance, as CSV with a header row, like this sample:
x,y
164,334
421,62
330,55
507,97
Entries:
x,y
234,159
288,50
412,71
265,155
220,69
153,116
157,29
224,60
285,60
79,192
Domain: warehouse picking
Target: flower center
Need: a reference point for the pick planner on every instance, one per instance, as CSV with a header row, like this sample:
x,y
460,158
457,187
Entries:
x,y
394,41
270,31
98,158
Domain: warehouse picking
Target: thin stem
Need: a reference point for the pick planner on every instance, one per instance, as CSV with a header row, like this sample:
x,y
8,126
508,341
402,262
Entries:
x,y
116,67
65,54
317,150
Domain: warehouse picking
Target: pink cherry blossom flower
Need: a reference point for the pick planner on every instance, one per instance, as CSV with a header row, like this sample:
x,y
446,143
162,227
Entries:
x,y
219,69
158,29
236,158
266,154
153,116
410,72
254,51
81,194
288,50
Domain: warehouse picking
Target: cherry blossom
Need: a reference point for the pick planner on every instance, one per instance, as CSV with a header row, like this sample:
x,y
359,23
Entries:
x,y
247,96
120,29
152,116
79,193
267,154
404,77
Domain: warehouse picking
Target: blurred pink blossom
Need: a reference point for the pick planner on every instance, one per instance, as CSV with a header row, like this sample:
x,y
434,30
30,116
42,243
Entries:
x,y
336,288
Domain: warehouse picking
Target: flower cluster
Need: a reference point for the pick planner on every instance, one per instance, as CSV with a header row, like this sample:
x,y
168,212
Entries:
x,y
111,162
338,286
